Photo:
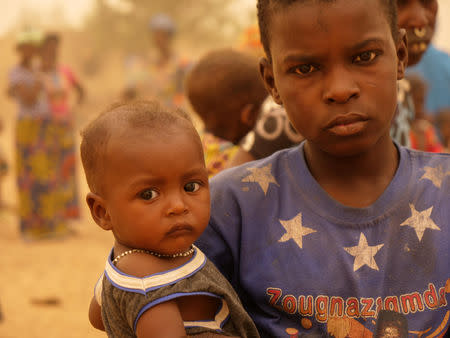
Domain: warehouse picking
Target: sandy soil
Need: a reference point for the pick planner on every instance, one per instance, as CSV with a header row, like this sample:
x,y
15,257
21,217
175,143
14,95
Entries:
x,y
46,286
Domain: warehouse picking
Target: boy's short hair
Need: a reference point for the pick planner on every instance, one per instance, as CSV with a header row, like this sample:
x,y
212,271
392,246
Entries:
x,y
147,116
267,7
222,83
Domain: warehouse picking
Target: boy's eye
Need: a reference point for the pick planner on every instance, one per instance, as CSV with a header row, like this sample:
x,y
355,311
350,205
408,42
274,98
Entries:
x,y
365,57
305,69
148,194
192,187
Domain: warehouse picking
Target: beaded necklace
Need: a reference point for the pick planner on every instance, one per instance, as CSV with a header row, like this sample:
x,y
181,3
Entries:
x,y
180,254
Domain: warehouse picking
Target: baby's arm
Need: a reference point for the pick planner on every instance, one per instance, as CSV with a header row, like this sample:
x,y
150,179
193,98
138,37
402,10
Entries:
x,y
95,315
163,320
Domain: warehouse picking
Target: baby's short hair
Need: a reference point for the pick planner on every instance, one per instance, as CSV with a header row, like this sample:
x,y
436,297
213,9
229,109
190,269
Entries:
x,y
266,8
222,82
148,116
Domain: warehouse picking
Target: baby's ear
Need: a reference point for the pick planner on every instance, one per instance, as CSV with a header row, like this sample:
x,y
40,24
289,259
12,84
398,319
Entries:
x,y
266,71
99,211
402,54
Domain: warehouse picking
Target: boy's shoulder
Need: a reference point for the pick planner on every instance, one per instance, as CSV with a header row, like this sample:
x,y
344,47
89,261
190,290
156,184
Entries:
x,y
263,173
430,167
422,158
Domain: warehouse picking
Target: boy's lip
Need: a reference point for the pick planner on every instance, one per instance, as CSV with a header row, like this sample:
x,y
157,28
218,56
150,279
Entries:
x,y
344,119
179,229
347,124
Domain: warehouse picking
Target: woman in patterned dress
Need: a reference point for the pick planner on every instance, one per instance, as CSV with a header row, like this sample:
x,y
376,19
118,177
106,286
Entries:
x,y
42,201
59,82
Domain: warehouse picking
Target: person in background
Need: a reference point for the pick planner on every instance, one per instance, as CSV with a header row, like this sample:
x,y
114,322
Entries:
x,y
160,74
423,134
318,239
39,192
443,125
414,16
434,64
4,169
60,83
225,89
148,184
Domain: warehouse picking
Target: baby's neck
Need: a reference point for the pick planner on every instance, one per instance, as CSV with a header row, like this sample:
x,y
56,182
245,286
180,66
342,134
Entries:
x,y
141,264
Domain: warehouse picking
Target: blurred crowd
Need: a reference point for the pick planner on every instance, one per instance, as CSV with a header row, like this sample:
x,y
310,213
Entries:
x,y
239,122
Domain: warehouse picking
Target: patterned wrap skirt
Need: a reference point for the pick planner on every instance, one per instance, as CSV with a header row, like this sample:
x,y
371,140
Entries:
x,y
45,164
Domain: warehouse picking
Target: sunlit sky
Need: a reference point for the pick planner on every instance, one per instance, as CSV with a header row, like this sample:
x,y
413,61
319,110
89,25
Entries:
x,y
75,10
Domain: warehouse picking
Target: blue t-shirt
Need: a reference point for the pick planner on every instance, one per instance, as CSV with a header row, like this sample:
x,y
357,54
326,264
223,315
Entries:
x,y
435,68
303,263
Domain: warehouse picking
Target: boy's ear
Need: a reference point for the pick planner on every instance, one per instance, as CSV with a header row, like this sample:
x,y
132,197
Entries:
x,y
249,115
402,54
98,210
266,70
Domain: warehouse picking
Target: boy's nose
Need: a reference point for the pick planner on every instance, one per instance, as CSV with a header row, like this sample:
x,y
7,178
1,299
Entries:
x,y
339,87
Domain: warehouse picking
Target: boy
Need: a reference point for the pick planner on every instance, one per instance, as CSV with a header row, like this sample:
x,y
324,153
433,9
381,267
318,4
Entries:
x,y
348,224
148,185
226,91
418,17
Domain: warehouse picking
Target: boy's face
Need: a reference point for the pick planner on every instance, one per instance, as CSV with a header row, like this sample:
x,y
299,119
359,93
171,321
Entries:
x,y
335,69
156,190
418,17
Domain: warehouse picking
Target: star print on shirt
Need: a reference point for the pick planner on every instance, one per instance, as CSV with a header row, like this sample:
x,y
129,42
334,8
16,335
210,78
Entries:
x,y
295,230
420,221
364,254
263,176
435,175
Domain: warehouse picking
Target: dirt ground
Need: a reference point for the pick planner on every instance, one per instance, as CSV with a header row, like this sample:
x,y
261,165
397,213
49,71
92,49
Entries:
x,y
46,286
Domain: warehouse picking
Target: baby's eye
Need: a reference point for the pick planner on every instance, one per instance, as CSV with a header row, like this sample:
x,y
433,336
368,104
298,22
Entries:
x,y
192,187
305,69
148,194
365,57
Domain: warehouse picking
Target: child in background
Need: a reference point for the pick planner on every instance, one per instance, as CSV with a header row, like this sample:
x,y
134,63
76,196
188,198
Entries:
x,y
443,124
148,184
226,91
330,238
423,135
3,169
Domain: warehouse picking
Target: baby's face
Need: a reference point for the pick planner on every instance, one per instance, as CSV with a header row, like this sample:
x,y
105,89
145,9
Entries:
x,y
156,190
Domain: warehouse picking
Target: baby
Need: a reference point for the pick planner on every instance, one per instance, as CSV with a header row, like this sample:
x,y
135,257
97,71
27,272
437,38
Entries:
x,y
148,184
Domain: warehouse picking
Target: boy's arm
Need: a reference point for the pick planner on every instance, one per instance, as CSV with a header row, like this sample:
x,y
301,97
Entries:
x,y
95,315
162,320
